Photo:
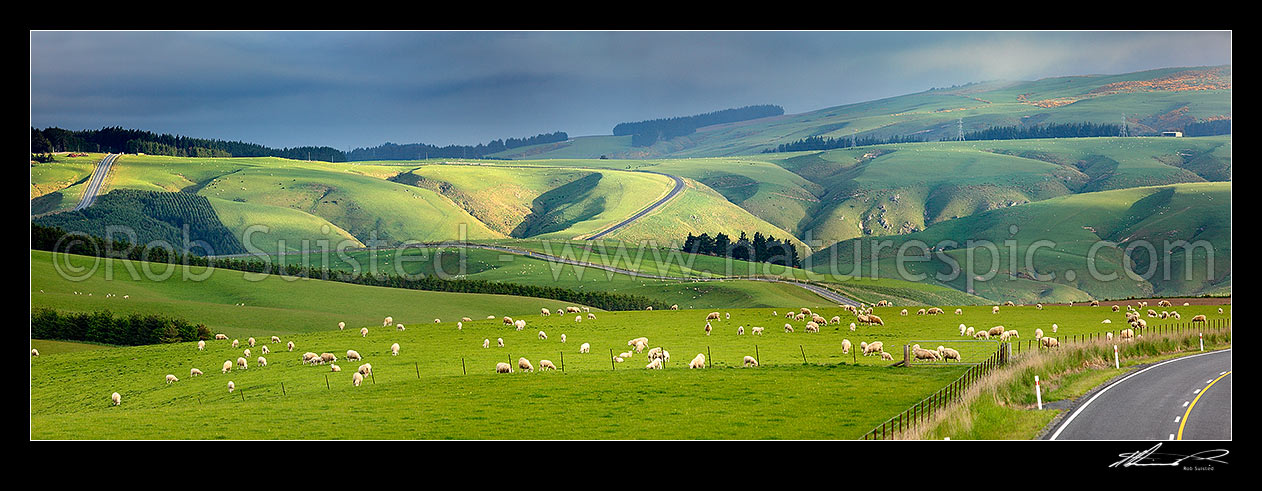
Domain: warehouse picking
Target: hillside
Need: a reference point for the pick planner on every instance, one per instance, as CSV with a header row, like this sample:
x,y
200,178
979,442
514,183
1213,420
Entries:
x,y
1016,251
1152,100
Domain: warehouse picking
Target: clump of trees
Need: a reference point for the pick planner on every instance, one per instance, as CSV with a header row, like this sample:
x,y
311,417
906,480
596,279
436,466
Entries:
x,y
645,133
105,327
415,151
116,139
763,249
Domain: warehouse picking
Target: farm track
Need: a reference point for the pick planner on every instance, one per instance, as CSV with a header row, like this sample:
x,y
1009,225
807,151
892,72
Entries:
x,y
94,184
816,289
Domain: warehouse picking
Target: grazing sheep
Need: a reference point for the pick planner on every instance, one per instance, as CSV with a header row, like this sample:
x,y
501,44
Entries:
x,y
873,348
1200,318
674,307
231,386
1106,321
502,367
1108,336
171,378
904,312
545,312
357,379
500,342
981,335
969,332
994,310
727,315
486,343
812,327
1220,309
194,372
707,329
236,344
543,335
436,321
756,330
788,328
750,361
262,361
655,364
845,346
353,355
227,366
335,368
341,326
963,328
1164,303
572,309
221,336
712,316
804,311
399,327
562,337
363,332
698,361
394,349
591,316
799,317
852,327
290,346
835,320
949,354
887,356
464,319
639,340
546,365
1050,342
995,331
924,354
1115,308
460,326
618,359
275,339
559,312
251,341
327,358
934,311
1127,334
308,357
1055,327
578,318
820,320
388,320
247,352
519,324
873,319
740,331
241,363
584,348
655,353
625,354
117,399
524,365
959,311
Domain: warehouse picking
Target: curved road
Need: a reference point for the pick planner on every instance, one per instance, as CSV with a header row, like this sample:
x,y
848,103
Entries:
x,y
679,186
1187,398
94,184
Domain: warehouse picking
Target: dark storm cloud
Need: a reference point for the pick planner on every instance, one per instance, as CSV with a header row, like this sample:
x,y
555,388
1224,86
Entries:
x,y
348,89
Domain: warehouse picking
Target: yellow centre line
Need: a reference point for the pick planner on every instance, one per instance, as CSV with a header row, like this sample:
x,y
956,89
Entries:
x,y
1193,404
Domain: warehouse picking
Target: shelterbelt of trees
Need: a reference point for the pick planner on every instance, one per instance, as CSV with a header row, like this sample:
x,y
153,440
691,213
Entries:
x,y
763,249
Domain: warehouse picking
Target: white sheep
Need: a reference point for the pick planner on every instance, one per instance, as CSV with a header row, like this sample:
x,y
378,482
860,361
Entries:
x,y
335,368
241,363
365,369
959,311
756,330
524,365
546,365
172,378
886,356
275,339
399,327
750,361
707,329
221,336
740,331
963,329
290,345
875,347
639,340
852,327
545,312
236,344
698,361
394,349
578,318
655,364
201,345
251,341
341,326
386,323
357,379
591,316
502,367
327,358
460,325
500,342
353,355
247,352
994,310
231,386
118,399
519,324
788,328
262,361
227,366
543,335
363,332
625,354
949,354
194,372
486,343
584,348
562,337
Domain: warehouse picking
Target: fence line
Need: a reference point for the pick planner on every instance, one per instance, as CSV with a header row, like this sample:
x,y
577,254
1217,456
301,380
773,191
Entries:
x,y
924,410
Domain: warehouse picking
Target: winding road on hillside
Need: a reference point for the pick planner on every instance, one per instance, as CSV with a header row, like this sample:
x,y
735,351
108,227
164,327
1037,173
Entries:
x,y
679,186
1187,398
94,184
826,293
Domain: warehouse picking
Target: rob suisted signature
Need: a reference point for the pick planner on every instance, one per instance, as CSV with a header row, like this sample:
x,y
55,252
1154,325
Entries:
x,y
1151,458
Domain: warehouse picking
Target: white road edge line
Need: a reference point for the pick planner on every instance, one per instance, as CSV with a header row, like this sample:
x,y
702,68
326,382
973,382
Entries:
x,y
1084,405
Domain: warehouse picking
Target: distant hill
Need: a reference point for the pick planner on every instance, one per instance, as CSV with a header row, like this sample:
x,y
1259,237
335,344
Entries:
x,y
1151,101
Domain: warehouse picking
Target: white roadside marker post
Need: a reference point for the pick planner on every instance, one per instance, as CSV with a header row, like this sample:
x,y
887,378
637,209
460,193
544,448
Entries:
x,y
1116,364
1038,392
1202,338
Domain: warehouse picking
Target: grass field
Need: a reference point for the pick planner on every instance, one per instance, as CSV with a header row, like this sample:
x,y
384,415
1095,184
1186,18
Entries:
x,y
442,384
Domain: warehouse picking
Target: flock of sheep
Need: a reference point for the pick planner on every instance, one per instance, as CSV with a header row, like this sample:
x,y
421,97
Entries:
x,y
658,356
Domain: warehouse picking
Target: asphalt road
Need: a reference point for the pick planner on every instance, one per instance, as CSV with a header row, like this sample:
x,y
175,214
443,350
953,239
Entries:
x,y
679,186
1186,398
94,184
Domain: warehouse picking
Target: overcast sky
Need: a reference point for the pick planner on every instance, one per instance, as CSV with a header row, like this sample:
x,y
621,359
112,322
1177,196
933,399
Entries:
x,y
361,89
